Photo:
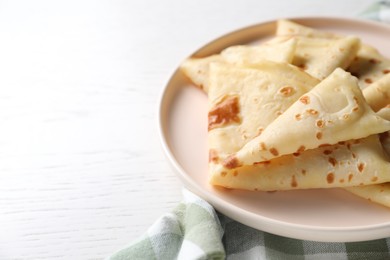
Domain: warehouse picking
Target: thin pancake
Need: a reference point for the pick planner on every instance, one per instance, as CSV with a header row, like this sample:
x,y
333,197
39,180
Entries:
x,y
197,69
333,111
289,28
378,193
377,94
244,100
350,163
369,66
320,57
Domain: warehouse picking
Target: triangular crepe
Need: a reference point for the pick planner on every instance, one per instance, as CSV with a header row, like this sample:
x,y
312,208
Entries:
x,y
350,163
197,69
244,100
319,53
369,66
289,28
320,57
378,193
282,51
377,94
253,98
333,111
385,113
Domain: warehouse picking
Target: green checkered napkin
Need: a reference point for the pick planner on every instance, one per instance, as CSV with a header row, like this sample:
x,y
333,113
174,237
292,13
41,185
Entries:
x,y
191,231
195,231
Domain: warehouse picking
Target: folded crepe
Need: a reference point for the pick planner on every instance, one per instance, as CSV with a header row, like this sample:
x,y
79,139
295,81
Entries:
x,y
378,193
377,94
280,51
349,163
289,28
244,100
320,57
333,111
197,69
369,65
250,99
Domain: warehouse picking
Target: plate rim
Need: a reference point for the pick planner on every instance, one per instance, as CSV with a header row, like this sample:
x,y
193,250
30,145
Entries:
x,y
260,222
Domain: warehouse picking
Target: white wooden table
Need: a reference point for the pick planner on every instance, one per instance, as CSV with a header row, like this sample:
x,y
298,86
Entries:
x,y
82,172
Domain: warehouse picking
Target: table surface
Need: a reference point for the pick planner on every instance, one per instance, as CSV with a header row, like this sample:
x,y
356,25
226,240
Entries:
x,y
82,172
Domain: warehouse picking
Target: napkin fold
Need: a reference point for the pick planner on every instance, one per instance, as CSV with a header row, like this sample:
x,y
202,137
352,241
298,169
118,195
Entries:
x,y
194,230
191,231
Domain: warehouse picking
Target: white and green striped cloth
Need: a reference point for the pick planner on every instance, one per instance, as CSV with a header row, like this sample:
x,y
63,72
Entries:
x,y
191,231
194,230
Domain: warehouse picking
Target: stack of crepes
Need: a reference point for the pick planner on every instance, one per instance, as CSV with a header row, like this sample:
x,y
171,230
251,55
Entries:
x,y
306,109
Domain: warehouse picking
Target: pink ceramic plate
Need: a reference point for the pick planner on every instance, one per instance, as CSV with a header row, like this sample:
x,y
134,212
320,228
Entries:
x,y
321,214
